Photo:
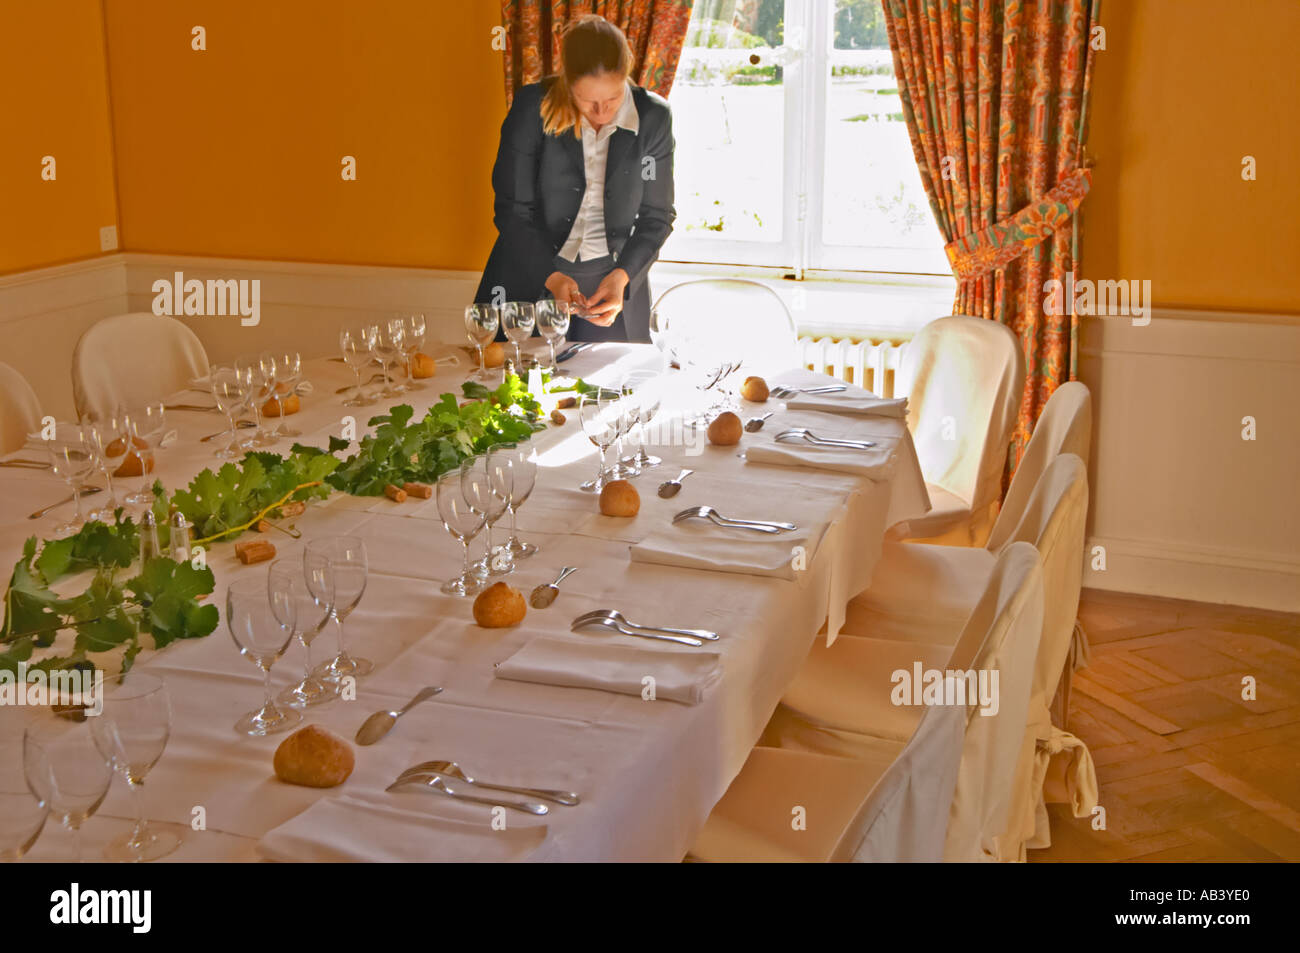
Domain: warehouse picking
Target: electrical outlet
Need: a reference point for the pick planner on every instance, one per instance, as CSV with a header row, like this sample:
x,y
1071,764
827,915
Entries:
x,y
108,238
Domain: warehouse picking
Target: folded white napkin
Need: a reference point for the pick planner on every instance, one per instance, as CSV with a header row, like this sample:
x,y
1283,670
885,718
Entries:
x,y
876,463
852,400
702,544
680,676
345,829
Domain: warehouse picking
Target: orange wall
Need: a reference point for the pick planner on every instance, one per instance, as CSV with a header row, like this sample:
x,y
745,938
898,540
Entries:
x,y
53,101
235,151
1184,90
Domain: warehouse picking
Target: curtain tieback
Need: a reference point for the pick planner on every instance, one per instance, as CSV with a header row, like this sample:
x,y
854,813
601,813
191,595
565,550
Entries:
x,y
1002,242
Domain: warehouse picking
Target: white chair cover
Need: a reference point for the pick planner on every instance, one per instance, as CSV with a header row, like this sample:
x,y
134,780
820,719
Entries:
x,y
131,359
712,319
20,411
945,795
964,379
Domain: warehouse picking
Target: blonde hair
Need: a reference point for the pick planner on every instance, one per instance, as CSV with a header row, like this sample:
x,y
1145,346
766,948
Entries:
x,y
591,45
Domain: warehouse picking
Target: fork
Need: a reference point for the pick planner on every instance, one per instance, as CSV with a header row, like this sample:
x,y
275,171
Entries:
x,y
783,392
812,438
709,513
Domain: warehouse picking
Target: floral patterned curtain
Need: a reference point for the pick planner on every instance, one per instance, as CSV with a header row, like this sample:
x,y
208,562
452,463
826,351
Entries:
x,y
995,98
655,30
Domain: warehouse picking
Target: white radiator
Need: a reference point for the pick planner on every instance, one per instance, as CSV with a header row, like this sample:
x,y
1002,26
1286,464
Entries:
x,y
867,363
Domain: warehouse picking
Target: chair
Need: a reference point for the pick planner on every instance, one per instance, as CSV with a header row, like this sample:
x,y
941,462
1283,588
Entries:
x,y
701,322
964,378
941,796
20,411
131,359
829,708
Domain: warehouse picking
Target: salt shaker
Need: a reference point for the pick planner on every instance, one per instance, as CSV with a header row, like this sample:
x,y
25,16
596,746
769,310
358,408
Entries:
x,y
149,547
179,535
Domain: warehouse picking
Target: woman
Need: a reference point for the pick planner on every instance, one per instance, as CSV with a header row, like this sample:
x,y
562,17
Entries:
x,y
584,189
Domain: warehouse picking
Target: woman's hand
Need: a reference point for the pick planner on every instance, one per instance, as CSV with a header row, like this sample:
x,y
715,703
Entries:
x,y
607,302
564,289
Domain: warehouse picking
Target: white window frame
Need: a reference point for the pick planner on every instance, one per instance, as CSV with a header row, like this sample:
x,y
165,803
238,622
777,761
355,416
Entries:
x,y
806,57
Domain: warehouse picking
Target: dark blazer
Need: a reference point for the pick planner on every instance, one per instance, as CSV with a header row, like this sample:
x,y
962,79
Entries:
x,y
539,182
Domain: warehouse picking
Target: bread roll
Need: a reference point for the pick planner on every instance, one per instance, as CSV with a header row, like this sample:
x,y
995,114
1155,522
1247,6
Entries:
x,y
494,355
291,406
135,464
755,389
725,430
314,758
620,498
499,607
422,365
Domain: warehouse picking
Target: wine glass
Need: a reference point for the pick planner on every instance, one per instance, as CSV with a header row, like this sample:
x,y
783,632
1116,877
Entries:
x,y
65,770
388,347
293,604
499,560
522,460
131,733
346,558
261,372
22,811
358,345
414,328
261,638
463,522
72,459
553,321
518,319
599,416
231,390
144,431
104,437
286,367
481,321
647,389
625,418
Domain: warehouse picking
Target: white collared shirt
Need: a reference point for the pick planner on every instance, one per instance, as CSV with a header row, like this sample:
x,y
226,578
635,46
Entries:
x,y
587,236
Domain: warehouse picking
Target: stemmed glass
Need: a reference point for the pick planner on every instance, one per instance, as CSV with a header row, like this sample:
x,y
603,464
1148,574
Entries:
x,y
104,437
66,770
599,415
518,319
388,348
624,420
293,605
414,328
72,459
553,322
522,461
346,558
358,345
131,733
260,371
144,431
261,638
481,321
286,368
463,522
231,390
647,388
22,811
497,560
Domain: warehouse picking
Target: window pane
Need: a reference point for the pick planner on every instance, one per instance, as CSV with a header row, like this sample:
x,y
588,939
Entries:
x,y
874,197
729,121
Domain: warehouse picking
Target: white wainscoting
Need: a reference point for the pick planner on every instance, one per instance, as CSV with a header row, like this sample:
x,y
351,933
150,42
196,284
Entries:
x,y
1183,506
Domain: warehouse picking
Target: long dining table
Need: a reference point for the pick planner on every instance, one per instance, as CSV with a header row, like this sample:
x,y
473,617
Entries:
x,y
648,771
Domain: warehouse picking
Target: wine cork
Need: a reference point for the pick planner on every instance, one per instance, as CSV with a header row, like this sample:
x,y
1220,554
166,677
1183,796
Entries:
x,y
395,493
419,490
254,551
567,402
293,508
557,418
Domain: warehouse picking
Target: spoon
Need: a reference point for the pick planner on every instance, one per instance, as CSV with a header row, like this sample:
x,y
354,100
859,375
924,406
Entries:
x,y
670,488
755,424
243,425
613,615
543,596
452,770
452,787
381,722
607,623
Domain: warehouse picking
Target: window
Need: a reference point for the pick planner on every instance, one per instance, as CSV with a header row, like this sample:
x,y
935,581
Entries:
x,y
791,145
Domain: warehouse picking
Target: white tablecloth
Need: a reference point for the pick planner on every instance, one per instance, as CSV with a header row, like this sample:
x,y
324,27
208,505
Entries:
x,y
648,772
